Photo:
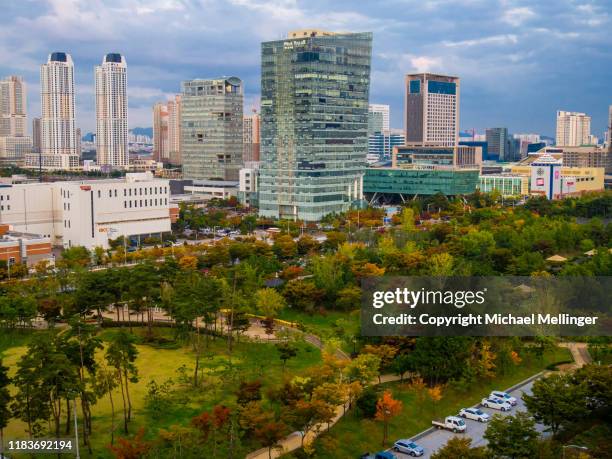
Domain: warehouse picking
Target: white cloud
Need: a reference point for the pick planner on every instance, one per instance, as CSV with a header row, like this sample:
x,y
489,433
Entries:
x,y
492,40
518,16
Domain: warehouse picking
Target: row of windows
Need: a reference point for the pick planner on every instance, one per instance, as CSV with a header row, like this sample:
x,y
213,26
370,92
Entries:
x,y
8,197
137,191
147,203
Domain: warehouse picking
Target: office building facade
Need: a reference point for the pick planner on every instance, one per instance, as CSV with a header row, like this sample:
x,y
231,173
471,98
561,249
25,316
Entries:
x,y
432,110
13,107
212,128
381,144
314,123
397,184
252,138
89,212
112,112
173,108
384,112
36,133
498,145
161,147
573,129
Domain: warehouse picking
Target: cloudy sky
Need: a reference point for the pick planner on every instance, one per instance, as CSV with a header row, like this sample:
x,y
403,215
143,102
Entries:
x,y
519,61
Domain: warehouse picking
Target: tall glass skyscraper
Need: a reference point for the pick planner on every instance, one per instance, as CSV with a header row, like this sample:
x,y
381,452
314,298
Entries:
x,y
314,123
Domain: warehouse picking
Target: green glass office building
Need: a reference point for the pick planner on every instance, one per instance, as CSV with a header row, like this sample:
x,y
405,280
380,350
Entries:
x,y
393,184
314,123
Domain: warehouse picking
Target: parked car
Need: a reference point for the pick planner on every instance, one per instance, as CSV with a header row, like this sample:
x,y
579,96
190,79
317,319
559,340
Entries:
x,y
408,447
506,397
496,404
450,423
378,455
474,413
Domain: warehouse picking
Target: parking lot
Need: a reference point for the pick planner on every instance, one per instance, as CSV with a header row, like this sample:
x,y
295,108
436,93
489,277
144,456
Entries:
x,y
431,440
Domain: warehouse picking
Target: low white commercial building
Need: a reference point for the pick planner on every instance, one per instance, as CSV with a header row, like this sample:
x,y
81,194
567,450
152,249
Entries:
x,y
88,212
213,189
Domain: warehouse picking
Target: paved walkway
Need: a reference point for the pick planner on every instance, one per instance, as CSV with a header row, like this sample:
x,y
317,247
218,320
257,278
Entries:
x,y
580,353
294,440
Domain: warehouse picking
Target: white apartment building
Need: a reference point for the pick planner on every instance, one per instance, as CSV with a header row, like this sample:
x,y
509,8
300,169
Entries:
x,y
58,137
112,112
173,107
573,129
90,212
384,111
13,103
14,149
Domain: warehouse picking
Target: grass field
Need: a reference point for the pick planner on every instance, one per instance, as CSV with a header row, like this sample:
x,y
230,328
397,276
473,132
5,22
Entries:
x,y
353,435
222,376
338,324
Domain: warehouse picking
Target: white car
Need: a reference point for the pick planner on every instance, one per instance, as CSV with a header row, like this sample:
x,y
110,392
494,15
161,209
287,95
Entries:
x,y
408,447
506,397
496,404
474,413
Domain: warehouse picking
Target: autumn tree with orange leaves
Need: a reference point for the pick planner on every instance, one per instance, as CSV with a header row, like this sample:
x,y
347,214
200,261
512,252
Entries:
x,y
131,449
386,409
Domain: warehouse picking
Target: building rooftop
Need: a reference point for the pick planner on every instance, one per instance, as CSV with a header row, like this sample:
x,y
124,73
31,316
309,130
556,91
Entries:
x,y
113,57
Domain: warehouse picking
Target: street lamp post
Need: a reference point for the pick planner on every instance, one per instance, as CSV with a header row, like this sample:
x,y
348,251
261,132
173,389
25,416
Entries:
x,y
76,429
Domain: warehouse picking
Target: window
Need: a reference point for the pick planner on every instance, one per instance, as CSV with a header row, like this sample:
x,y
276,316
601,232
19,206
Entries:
x,y
110,193
115,192
99,194
125,204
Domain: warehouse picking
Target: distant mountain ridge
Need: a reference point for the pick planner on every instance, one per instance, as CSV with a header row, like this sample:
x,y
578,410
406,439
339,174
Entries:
x,y
148,131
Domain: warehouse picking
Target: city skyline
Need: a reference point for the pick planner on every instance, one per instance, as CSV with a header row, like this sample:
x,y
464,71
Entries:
x,y
507,54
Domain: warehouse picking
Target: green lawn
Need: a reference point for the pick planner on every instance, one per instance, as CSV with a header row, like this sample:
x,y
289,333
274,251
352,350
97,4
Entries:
x,y
352,435
222,376
339,324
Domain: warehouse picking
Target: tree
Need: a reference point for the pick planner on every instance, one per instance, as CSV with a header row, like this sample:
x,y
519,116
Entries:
x,y
555,401
270,433
75,257
435,394
253,416
285,247
135,448
188,262
460,448
364,368
512,436
286,351
249,391
5,399
302,295
269,302
305,416
105,383
386,352
386,409
121,355
407,219
349,298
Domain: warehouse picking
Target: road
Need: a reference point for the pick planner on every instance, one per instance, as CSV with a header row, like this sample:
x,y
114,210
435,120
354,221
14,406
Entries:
x,y
432,439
